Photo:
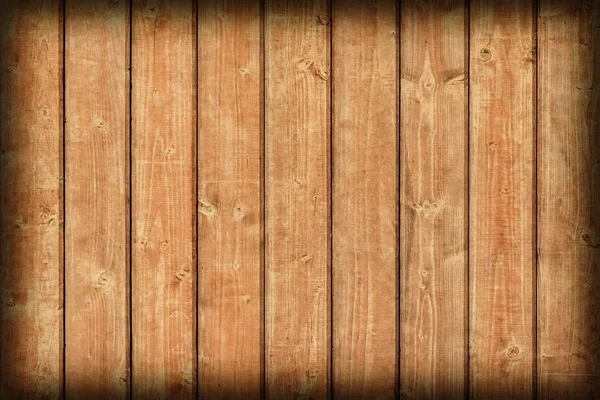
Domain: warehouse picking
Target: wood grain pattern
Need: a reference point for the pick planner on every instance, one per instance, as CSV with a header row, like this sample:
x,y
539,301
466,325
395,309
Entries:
x,y
297,285
569,200
502,195
230,199
97,199
364,199
329,199
163,199
433,213
31,188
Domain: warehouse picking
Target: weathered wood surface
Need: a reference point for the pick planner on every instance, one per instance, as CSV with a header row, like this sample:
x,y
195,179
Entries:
x,y
364,199
501,200
569,200
347,199
297,151
97,325
433,205
31,199
163,208
230,151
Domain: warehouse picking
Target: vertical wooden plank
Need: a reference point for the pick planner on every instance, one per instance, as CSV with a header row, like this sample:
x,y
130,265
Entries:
x,y
97,199
433,214
163,199
569,200
230,199
502,197
365,198
31,229
297,107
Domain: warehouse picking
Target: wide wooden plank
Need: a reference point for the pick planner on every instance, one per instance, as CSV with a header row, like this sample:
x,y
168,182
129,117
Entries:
x,y
31,188
433,214
297,258
364,199
163,203
569,200
97,199
230,297
502,197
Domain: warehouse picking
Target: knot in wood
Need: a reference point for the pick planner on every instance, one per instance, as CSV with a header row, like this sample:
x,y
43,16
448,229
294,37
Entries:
x,y
512,351
485,54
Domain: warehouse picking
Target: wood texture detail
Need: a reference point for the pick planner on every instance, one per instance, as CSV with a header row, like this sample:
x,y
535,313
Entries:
x,y
297,141
31,200
364,199
163,271
433,206
97,330
569,200
502,197
305,199
230,208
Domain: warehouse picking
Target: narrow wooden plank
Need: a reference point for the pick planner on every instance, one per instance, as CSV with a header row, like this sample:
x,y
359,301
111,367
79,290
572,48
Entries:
x,y
163,199
433,214
31,187
97,199
365,198
502,196
297,107
569,200
230,199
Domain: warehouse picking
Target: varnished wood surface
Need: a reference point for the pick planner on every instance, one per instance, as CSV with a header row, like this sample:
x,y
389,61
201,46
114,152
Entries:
x,y
299,199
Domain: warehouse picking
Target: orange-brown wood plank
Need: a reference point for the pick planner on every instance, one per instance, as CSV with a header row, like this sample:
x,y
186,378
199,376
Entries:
x,y
97,199
31,229
433,214
297,107
163,209
569,200
230,199
364,199
502,198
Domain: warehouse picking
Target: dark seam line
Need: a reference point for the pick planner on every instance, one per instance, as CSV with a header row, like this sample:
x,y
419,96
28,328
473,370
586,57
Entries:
x,y
467,388
331,173
398,344
130,382
263,173
196,378
535,208
64,199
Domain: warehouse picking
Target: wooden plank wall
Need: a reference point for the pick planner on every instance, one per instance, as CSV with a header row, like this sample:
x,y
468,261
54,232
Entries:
x,y
364,199
297,189
163,206
569,200
230,199
502,224
31,200
97,211
433,213
300,199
